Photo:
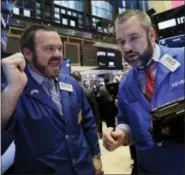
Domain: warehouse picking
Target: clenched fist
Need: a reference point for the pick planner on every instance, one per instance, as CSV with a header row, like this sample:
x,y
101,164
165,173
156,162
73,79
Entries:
x,y
114,139
13,67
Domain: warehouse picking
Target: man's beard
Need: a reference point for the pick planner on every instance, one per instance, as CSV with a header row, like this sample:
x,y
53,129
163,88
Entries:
x,y
143,58
147,54
43,69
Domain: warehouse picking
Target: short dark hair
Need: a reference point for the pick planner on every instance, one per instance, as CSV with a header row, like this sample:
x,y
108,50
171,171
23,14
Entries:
x,y
76,75
27,39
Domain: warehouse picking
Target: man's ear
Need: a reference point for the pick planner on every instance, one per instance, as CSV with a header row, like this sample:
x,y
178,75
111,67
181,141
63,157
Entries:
x,y
152,34
27,54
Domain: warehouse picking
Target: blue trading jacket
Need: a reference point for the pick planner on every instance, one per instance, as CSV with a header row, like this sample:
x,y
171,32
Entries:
x,y
47,142
135,110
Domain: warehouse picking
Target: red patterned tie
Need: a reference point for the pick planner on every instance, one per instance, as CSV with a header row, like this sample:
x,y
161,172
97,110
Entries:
x,y
150,84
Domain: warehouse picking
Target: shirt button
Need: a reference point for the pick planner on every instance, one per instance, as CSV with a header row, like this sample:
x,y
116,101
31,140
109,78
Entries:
x,y
66,136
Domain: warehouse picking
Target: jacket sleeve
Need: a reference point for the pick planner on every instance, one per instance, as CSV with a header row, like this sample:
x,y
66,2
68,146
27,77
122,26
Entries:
x,y
89,126
122,120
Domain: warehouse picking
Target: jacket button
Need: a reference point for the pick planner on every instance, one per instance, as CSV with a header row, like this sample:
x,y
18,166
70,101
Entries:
x,y
66,136
73,161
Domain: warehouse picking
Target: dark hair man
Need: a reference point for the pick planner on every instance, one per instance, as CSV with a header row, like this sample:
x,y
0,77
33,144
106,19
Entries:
x,y
54,128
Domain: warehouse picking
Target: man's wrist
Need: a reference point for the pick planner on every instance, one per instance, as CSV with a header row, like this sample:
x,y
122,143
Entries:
x,y
125,137
97,156
125,128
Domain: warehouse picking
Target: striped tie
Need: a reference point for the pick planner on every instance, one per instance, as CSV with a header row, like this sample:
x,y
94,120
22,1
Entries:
x,y
50,88
150,84
56,97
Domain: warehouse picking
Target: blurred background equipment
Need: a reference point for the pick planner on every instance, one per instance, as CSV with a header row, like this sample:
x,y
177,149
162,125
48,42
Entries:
x,y
6,16
170,27
169,115
7,153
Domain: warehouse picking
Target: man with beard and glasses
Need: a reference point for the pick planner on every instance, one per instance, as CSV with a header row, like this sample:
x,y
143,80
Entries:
x,y
54,128
156,78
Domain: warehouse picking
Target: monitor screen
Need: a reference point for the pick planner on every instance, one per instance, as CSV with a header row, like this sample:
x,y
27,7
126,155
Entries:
x,y
170,23
109,58
176,41
27,13
16,11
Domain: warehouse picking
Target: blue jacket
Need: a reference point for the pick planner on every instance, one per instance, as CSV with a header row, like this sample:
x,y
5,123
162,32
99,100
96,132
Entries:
x,y
134,110
49,143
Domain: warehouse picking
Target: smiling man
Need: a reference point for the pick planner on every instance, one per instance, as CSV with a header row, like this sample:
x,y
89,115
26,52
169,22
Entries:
x,y
148,85
54,128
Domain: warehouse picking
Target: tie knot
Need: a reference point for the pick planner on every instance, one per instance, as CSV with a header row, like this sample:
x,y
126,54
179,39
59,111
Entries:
x,y
48,83
148,70
150,64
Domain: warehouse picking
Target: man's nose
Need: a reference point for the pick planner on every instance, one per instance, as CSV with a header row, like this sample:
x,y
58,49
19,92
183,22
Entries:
x,y
127,47
58,53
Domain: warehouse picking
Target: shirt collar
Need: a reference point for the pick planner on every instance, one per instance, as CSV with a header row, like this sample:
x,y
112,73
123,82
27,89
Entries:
x,y
157,53
37,77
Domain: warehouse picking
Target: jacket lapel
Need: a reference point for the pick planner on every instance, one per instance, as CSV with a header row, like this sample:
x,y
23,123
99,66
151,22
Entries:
x,y
161,74
36,91
65,99
162,71
136,92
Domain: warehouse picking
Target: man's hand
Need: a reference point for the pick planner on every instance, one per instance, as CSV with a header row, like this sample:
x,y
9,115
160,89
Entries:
x,y
13,67
97,165
114,139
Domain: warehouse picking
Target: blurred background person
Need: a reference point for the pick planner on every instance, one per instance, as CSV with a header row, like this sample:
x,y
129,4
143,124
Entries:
x,y
107,108
90,97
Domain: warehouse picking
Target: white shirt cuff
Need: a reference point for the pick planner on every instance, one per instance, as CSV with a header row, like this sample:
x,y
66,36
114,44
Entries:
x,y
8,158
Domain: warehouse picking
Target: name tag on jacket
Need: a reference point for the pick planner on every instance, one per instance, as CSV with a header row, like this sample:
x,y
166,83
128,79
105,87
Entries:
x,y
169,62
65,87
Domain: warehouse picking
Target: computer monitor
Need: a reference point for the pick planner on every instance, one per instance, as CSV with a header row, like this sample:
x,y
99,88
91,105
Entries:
x,y
109,58
27,13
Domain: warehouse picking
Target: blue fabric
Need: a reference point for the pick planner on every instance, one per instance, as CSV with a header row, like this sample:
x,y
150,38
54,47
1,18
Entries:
x,y
134,110
48,143
66,66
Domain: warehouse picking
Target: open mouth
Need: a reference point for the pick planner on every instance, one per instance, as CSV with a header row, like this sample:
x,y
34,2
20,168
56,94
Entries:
x,y
54,64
